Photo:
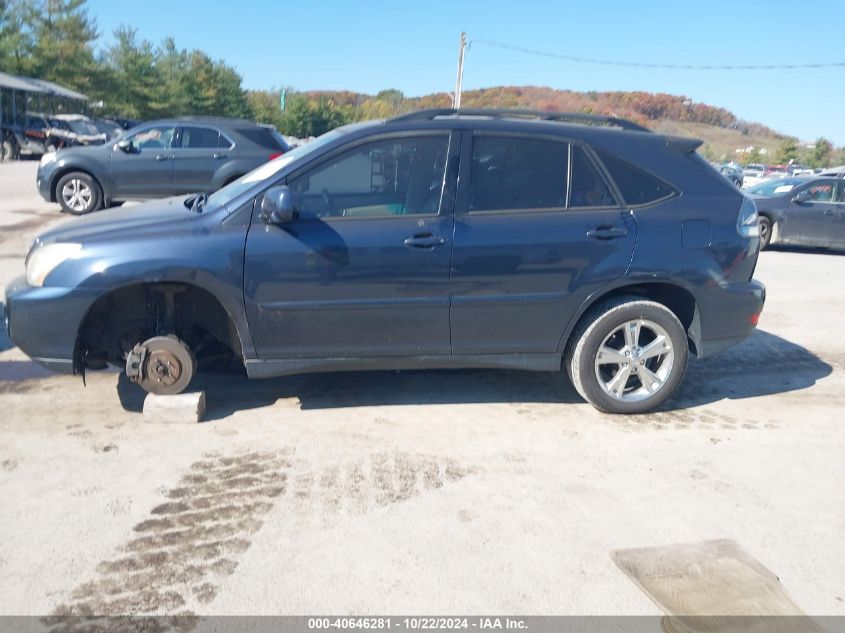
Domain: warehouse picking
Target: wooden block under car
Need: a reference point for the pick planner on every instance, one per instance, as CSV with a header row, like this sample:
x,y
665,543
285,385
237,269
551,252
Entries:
x,y
185,408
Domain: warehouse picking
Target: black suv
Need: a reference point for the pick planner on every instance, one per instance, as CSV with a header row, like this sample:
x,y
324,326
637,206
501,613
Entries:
x,y
155,160
436,239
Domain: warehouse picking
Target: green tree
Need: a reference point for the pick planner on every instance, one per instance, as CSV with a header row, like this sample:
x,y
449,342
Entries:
x,y
821,154
787,151
133,84
63,35
16,42
305,117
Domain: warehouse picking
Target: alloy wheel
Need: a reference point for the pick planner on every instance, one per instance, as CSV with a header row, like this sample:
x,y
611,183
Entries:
x,y
634,361
76,194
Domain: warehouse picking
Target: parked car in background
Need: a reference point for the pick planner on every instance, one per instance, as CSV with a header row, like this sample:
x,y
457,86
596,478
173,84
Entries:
x,y
732,172
801,210
753,173
437,239
156,160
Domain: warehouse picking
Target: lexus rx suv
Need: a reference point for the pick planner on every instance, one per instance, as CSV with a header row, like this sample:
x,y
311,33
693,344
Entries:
x,y
437,239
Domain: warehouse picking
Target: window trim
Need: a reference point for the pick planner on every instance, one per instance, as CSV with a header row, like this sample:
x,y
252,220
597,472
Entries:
x,y
181,128
450,136
470,146
673,191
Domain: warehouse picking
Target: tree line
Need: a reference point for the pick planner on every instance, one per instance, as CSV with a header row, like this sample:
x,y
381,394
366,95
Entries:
x,y
57,40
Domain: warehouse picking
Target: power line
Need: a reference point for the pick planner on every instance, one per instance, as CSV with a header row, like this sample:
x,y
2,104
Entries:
x,y
609,62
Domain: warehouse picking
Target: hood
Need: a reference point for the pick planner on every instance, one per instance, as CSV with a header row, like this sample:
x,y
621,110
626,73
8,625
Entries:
x,y
112,223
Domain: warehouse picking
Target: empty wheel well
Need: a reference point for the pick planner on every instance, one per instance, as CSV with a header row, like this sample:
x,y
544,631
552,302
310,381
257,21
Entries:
x,y
132,314
54,185
677,299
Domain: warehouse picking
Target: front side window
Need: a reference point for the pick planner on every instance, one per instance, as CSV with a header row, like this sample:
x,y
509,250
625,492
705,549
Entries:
x,y
158,137
200,138
517,173
385,178
821,192
588,188
635,185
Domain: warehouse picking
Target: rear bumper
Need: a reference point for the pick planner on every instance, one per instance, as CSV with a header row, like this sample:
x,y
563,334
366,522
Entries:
x,y
44,322
727,317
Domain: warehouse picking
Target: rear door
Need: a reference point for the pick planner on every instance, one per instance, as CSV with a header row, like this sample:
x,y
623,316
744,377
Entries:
x,y
144,170
812,222
536,225
363,270
200,152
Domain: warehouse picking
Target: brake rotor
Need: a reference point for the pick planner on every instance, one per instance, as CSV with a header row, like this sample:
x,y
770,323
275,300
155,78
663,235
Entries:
x,y
166,365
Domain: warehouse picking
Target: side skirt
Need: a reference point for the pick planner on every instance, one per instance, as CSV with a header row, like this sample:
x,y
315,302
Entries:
x,y
282,367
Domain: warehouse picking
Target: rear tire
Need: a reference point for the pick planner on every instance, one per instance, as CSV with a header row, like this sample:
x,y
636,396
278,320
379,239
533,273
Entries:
x,y
765,225
78,193
627,355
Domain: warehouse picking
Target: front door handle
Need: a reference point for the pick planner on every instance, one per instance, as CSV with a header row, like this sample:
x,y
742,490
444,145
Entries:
x,y
218,155
607,232
425,240
162,157
829,212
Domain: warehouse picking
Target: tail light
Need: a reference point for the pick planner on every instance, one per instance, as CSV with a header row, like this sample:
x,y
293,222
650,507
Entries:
x,y
747,223
275,155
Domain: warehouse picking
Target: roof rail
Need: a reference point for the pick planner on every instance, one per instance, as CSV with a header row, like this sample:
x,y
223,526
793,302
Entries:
x,y
563,117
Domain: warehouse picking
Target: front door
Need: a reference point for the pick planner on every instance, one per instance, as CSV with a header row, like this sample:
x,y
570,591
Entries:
x,y
363,270
145,168
526,206
811,222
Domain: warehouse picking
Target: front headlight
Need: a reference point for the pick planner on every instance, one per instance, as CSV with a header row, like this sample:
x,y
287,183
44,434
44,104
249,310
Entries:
x,y
42,262
48,157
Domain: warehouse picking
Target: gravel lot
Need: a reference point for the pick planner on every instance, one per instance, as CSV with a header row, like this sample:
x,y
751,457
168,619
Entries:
x,y
420,492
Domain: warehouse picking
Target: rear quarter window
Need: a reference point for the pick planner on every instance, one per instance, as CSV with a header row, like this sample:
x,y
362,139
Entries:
x,y
261,137
636,186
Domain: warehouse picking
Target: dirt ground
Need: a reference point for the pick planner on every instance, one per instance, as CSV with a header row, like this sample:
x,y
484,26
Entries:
x,y
420,492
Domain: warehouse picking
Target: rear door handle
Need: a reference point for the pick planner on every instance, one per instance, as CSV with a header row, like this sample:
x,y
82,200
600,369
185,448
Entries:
x,y
607,232
425,240
218,155
162,157
829,212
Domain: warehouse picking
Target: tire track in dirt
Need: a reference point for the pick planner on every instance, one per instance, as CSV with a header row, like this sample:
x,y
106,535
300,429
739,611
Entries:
x,y
189,543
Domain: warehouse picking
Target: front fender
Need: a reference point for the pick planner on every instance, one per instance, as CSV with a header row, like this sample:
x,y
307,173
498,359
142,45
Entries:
x,y
209,259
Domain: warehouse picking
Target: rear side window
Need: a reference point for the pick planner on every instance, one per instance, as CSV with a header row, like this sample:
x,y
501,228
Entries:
x,y
261,137
200,138
635,185
588,188
517,173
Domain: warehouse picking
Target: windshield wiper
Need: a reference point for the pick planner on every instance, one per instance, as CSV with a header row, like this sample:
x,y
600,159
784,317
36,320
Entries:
x,y
196,202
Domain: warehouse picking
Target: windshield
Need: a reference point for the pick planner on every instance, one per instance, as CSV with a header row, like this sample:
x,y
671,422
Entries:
x,y
267,171
81,126
775,186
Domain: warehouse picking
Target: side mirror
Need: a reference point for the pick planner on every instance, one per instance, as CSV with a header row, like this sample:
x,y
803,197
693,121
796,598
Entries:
x,y
802,196
277,206
126,145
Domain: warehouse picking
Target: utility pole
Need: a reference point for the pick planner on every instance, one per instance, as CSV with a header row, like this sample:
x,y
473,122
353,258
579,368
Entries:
x,y
456,101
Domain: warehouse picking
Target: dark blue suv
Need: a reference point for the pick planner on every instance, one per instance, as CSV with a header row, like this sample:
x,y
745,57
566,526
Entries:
x,y
438,239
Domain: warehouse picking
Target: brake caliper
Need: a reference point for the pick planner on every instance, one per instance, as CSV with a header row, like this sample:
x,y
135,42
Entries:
x,y
135,363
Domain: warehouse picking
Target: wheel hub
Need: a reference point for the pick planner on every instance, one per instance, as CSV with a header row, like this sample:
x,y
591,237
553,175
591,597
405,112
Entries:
x,y
634,361
162,365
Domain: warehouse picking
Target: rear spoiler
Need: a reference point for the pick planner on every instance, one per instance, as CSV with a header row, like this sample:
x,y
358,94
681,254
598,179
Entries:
x,y
682,145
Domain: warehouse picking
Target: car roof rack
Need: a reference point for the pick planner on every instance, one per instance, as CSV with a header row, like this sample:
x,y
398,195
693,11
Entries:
x,y
562,117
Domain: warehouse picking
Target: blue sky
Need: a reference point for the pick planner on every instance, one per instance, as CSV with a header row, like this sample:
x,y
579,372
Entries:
x,y
412,45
